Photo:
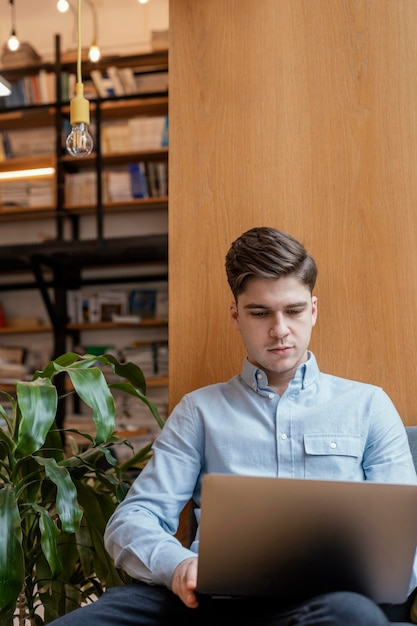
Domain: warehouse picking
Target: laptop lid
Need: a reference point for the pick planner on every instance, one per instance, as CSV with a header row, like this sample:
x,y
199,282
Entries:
x,y
293,538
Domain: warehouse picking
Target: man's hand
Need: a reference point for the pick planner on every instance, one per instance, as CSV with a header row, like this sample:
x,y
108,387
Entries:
x,y
184,582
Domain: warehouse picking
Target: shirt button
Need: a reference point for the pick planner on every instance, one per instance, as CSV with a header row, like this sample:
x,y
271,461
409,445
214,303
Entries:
x,y
254,385
283,436
270,396
259,376
333,444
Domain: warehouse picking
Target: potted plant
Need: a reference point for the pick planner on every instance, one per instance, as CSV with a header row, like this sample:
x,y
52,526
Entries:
x,y
54,505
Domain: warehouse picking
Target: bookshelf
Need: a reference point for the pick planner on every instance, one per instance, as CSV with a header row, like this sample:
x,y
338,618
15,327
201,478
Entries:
x,y
99,238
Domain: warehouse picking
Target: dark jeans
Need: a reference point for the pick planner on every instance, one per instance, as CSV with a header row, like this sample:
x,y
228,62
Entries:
x,y
139,604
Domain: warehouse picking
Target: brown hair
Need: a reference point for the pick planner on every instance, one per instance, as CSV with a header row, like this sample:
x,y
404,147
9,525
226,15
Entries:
x,y
267,253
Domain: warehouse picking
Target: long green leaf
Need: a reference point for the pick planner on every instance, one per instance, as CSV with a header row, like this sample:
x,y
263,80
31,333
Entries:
x,y
7,447
129,371
38,402
97,509
91,386
49,536
66,498
60,363
128,388
12,568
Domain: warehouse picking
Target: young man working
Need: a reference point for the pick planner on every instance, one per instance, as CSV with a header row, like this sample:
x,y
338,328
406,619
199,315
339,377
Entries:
x,y
256,423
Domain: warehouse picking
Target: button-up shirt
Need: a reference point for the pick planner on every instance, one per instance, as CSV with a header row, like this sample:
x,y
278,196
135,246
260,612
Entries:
x,y
322,427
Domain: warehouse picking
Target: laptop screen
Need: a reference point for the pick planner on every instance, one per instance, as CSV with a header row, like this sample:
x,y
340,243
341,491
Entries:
x,y
295,538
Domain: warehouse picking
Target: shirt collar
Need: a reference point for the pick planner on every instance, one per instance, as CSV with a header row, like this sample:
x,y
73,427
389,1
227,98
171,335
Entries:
x,y
257,380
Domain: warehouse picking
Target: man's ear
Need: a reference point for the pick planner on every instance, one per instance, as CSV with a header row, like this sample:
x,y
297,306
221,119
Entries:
x,y
234,316
314,309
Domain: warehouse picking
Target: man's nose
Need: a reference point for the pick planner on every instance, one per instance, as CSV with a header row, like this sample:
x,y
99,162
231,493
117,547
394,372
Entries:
x,y
279,328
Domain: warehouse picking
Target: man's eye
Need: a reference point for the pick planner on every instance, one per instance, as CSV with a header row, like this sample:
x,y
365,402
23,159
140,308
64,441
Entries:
x,y
294,311
260,313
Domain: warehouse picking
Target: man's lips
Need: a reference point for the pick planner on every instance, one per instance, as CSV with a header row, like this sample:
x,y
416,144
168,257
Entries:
x,y
280,349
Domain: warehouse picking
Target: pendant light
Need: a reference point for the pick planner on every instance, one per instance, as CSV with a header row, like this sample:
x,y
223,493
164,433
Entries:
x,y
79,142
94,53
13,43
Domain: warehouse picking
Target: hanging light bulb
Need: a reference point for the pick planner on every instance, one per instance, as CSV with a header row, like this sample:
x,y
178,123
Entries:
x,y
79,142
13,43
62,6
94,53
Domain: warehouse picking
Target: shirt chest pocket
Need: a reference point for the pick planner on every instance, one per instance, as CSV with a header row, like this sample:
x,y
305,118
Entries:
x,y
337,457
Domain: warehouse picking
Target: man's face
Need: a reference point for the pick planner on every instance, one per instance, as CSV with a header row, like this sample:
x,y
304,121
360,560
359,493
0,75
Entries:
x,y
275,318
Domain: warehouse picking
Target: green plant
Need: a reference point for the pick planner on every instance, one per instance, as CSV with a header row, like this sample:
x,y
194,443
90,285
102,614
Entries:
x,y
54,505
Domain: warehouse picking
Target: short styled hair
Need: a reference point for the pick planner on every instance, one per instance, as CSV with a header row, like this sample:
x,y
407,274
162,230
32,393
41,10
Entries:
x,y
267,253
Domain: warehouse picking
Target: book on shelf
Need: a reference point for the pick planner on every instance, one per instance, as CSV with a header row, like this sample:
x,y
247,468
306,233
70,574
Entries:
x,y
127,78
41,193
80,188
18,97
31,89
136,134
147,133
47,86
121,81
135,181
96,306
116,82
138,180
26,193
103,84
151,82
31,141
157,176
125,183
118,185
92,305
115,137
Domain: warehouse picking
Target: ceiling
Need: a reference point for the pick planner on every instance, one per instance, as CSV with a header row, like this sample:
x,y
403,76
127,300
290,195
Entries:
x,y
122,26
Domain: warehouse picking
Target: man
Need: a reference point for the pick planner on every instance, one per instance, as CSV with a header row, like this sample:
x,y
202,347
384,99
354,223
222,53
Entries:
x,y
256,423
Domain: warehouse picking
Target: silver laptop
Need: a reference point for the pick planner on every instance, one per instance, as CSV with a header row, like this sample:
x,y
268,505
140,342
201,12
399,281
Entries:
x,y
292,539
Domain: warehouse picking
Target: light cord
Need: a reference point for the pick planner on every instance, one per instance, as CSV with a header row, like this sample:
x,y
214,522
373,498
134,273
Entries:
x,y
79,49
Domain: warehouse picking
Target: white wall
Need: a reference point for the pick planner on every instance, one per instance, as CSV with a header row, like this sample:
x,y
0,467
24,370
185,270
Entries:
x,y
124,26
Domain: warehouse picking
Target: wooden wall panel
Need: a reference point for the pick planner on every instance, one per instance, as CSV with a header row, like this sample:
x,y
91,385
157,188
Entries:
x,y
299,114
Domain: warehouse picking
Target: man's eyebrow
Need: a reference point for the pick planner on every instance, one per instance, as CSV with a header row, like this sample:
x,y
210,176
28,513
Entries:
x,y
297,305
253,305
291,305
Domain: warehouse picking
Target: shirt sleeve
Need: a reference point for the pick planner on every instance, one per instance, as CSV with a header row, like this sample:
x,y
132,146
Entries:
x,y
140,534
387,455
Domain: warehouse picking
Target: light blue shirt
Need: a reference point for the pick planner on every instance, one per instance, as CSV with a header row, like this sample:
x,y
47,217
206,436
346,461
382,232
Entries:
x,y
322,427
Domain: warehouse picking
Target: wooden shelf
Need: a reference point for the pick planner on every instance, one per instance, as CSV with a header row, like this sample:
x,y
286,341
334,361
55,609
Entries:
x,y
8,387
28,163
150,61
149,323
156,154
18,214
114,109
13,214
27,117
25,330
144,204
